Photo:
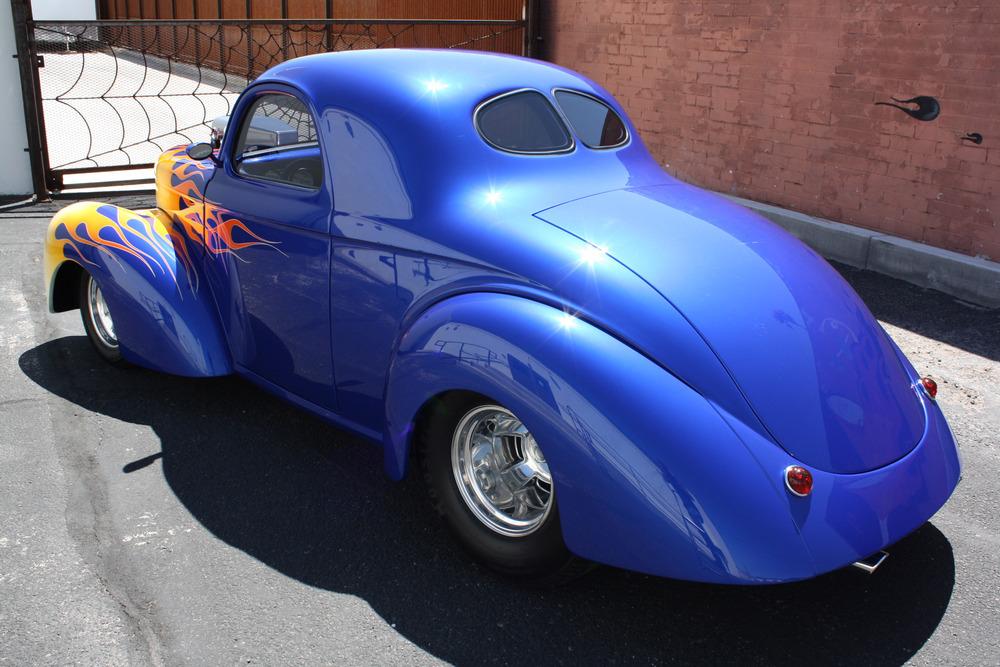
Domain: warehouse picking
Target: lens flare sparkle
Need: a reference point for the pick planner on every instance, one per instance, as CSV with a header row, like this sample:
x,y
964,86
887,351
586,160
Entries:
x,y
568,321
592,254
434,86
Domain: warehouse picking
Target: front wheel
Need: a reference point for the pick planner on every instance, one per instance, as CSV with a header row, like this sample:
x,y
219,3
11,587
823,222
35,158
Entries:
x,y
490,480
97,320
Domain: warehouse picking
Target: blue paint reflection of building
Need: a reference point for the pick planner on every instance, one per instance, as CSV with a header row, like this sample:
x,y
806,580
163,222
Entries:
x,y
652,481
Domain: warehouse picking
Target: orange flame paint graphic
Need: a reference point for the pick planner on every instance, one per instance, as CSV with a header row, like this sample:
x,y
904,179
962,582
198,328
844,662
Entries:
x,y
209,226
116,232
167,241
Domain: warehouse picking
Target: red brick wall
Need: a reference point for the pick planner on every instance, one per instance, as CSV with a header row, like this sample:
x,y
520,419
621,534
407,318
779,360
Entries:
x,y
773,100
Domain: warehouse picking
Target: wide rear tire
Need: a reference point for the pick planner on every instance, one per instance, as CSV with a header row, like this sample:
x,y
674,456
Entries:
x,y
516,534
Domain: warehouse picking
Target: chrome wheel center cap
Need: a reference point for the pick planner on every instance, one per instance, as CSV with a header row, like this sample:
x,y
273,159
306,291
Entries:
x,y
500,471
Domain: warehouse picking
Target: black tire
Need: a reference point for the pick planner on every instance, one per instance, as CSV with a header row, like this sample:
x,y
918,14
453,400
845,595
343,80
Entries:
x,y
111,353
540,557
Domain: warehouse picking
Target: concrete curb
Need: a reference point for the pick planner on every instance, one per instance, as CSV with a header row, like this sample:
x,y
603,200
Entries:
x,y
967,278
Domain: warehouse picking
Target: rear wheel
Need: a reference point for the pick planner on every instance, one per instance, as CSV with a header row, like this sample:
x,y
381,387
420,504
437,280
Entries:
x,y
490,480
97,320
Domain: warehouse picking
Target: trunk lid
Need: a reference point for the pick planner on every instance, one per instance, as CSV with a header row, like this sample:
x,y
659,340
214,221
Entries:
x,y
812,361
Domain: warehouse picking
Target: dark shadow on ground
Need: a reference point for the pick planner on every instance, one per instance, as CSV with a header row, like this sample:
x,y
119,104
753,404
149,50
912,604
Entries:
x,y
312,502
928,312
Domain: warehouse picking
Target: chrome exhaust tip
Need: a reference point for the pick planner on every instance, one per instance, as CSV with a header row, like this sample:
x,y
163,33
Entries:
x,y
871,563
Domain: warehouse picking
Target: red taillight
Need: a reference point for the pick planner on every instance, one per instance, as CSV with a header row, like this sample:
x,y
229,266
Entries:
x,y
798,480
930,386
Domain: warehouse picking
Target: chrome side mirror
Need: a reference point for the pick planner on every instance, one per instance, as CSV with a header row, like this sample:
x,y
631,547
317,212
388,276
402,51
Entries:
x,y
200,151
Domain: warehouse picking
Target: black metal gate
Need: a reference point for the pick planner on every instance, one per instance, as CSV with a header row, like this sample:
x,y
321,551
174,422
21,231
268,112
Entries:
x,y
104,98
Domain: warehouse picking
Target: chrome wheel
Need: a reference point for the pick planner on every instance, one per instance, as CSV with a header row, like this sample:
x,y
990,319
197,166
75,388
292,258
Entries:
x,y
500,471
100,316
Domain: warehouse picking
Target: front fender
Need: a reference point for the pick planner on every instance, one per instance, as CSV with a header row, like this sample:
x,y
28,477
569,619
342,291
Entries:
x,y
148,272
649,476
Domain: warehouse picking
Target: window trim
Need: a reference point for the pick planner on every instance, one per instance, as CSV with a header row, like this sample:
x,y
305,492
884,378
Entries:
x,y
279,149
234,158
628,135
559,116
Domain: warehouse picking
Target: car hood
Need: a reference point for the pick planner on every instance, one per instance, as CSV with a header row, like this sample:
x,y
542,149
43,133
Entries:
x,y
807,354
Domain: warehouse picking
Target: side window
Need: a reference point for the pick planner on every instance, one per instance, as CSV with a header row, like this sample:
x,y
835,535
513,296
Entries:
x,y
594,121
522,122
278,142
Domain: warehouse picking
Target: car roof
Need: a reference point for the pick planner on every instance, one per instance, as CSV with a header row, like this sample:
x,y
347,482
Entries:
x,y
420,103
450,79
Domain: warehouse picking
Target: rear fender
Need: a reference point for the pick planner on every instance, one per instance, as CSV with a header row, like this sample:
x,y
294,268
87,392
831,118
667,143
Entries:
x,y
648,475
147,269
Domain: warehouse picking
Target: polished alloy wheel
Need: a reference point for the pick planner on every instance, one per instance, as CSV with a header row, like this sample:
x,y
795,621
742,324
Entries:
x,y
500,471
100,316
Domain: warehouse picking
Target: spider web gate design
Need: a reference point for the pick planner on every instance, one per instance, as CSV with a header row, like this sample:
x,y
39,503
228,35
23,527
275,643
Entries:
x,y
104,98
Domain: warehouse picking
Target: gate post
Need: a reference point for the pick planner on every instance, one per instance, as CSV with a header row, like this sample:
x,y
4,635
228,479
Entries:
x,y
531,29
27,62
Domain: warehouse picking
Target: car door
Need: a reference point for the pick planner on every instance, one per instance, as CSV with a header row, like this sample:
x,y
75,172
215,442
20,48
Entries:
x,y
267,229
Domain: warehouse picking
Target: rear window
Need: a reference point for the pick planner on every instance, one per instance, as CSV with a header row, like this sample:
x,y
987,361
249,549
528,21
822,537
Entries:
x,y
597,125
523,122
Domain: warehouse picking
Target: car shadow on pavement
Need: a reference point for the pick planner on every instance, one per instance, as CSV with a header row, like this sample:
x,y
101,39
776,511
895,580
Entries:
x,y
312,502
927,312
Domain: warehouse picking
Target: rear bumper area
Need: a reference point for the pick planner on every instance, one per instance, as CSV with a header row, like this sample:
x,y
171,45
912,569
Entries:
x,y
850,516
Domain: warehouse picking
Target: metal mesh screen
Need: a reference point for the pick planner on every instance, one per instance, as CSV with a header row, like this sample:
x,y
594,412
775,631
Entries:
x,y
118,93
292,113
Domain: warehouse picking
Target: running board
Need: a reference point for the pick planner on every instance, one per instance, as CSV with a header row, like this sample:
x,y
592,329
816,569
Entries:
x,y
871,563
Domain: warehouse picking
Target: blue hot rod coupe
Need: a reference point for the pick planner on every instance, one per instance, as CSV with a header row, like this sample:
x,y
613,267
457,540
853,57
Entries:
x,y
473,260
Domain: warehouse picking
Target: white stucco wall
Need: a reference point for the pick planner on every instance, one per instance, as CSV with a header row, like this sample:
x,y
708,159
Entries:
x,y
15,174
63,10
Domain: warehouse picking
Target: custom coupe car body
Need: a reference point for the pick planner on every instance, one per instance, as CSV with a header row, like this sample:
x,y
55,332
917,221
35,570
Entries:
x,y
420,245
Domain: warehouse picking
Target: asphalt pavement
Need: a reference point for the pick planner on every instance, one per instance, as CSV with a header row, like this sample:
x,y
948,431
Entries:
x,y
149,519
